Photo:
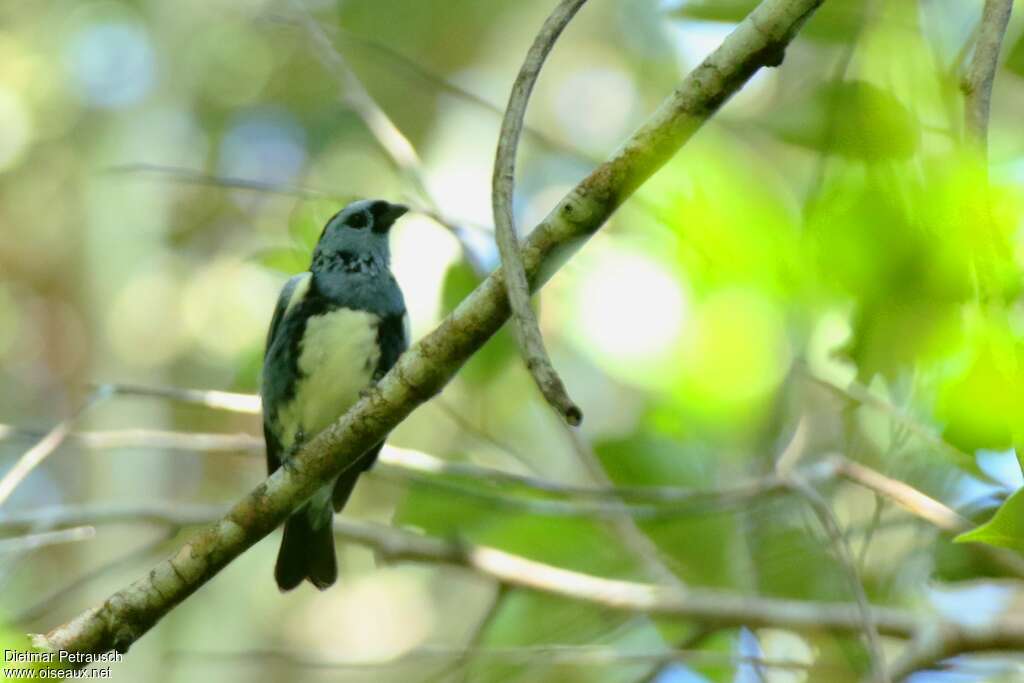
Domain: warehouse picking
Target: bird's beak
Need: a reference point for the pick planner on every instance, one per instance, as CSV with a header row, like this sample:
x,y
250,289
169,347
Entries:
x,y
385,215
395,211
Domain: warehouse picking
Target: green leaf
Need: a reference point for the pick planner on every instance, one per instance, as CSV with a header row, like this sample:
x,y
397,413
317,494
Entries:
x,y
1004,530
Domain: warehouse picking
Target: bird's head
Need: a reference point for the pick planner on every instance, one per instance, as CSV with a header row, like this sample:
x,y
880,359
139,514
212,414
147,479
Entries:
x,y
357,234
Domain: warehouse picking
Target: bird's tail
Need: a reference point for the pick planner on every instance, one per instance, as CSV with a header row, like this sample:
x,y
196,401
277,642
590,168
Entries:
x,y
307,549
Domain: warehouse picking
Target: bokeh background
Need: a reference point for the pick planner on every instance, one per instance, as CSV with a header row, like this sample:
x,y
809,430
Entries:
x,y
164,167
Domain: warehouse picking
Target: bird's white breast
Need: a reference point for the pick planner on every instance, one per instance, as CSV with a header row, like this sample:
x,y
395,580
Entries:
x,y
337,358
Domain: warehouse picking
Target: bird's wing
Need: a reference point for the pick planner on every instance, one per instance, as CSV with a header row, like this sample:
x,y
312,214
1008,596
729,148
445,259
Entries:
x,y
291,293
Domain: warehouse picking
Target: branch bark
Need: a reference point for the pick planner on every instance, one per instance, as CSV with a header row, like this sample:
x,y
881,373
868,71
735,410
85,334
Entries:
x,y
517,287
981,73
422,371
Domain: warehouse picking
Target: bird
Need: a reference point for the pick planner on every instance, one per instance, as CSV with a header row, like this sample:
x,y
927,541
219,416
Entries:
x,y
336,330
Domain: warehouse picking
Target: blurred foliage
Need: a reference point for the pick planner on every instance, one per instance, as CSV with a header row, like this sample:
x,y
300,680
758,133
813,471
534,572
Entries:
x,y
165,166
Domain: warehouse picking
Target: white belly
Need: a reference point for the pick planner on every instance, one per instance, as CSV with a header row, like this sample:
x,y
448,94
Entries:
x,y
337,358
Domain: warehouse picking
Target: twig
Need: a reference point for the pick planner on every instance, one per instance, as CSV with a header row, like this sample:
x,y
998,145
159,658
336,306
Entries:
x,y
428,365
906,496
209,398
939,642
624,524
845,556
594,655
785,466
463,658
21,544
981,72
154,439
193,177
858,393
33,457
517,287
397,545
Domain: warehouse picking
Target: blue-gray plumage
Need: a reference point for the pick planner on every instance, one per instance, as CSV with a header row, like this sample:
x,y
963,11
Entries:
x,y
336,329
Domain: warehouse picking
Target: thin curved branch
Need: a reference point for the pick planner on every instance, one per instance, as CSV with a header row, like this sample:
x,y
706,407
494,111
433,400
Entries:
x,y
427,366
531,343
981,72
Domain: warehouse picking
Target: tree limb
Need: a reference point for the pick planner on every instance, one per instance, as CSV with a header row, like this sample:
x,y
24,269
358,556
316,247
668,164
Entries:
x,y
517,287
423,370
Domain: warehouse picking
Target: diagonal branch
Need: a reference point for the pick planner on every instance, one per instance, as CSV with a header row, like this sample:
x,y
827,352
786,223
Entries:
x,y
531,343
423,370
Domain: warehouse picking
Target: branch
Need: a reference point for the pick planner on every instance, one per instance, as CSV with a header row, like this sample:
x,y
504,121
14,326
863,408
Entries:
x,y
531,343
208,398
981,72
713,609
425,368
21,544
397,545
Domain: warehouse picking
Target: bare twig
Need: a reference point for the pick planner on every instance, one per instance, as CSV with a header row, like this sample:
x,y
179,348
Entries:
x,y
860,394
981,72
785,466
845,556
209,398
428,365
189,176
623,524
33,457
906,496
603,500
517,287
397,545
594,655
21,544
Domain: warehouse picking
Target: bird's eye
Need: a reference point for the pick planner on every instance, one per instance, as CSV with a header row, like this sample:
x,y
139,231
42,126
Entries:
x,y
358,220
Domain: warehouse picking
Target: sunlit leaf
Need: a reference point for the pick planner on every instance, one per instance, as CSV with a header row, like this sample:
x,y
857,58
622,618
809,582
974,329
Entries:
x,y
978,409
1005,529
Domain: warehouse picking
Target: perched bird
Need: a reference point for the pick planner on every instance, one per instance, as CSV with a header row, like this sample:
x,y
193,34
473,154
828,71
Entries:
x,y
336,330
